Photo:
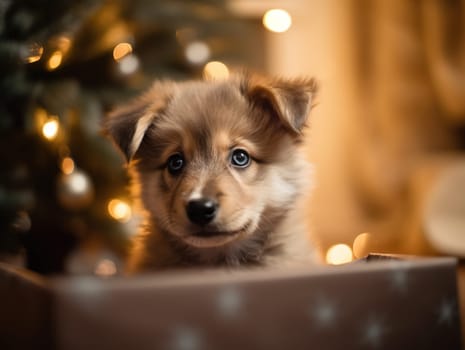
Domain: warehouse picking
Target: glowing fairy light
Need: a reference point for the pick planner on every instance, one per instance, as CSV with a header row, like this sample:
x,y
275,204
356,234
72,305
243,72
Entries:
x,y
128,64
67,165
215,71
75,190
64,43
121,50
187,338
339,254
33,53
55,60
360,245
277,20
197,52
78,183
50,128
105,268
119,210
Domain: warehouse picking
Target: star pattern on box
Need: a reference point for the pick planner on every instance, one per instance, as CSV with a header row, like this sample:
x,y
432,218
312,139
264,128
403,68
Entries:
x,y
229,302
186,338
399,276
323,313
353,310
447,312
373,332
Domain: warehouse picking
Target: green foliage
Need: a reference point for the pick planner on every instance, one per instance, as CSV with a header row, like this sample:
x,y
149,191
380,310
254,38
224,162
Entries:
x,y
37,212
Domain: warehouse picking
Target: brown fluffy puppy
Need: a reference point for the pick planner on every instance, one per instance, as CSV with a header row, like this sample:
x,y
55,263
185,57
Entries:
x,y
218,170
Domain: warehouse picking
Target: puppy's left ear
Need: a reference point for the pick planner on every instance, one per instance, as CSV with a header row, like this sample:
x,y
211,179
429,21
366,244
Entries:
x,y
289,99
128,124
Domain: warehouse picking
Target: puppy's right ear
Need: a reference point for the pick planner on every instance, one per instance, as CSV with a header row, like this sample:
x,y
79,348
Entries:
x,y
126,125
289,100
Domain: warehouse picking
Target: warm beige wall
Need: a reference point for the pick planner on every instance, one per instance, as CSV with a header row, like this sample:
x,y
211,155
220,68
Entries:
x,y
317,45
390,118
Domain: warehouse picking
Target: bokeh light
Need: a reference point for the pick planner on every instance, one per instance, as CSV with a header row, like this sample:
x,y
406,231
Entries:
x,y
33,53
105,268
128,64
78,183
339,254
55,60
277,20
215,70
64,43
67,165
361,244
75,190
119,210
121,50
50,128
197,52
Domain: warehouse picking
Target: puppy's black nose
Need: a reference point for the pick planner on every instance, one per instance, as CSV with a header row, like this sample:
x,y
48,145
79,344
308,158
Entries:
x,y
201,211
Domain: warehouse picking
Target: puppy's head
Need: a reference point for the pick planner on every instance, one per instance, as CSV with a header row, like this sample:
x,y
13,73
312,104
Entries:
x,y
216,161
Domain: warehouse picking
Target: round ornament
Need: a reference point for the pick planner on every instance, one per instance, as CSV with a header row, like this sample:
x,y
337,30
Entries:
x,y
75,190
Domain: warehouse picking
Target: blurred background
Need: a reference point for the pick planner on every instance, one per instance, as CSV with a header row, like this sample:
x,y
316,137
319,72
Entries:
x,y
387,137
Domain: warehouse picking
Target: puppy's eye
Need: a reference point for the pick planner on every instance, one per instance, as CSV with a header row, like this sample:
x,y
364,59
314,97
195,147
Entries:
x,y
175,163
240,158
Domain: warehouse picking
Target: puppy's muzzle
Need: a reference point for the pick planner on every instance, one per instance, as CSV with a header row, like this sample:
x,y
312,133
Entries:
x,y
202,211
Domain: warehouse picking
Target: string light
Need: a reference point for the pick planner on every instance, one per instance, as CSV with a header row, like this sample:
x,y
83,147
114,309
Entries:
x,y
55,60
121,50
277,20
215,70
119,210
360,245
50,128
75,190
78,183
67,165
105,268
33,53
339,254
64,43
128,64
197,52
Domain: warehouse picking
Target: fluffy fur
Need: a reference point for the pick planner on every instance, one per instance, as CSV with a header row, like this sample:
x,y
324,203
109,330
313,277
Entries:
x,y
258,221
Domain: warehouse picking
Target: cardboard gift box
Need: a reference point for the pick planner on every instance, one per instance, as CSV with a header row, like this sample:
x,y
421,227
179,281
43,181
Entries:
x,y
376,303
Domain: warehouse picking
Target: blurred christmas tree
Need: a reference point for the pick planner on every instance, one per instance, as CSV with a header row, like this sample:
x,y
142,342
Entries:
x,y
63,197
